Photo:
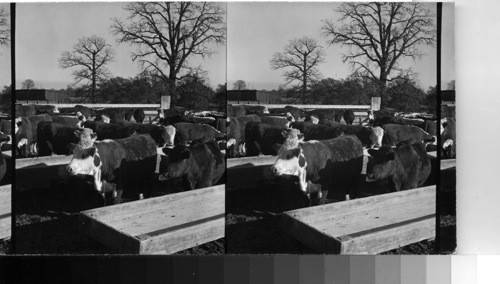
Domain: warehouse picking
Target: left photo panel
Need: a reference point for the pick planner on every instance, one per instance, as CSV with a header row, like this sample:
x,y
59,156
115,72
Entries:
x,y
120,128
5,130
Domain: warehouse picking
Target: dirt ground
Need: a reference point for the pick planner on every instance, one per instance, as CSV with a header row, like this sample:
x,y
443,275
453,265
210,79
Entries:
x,y
46,223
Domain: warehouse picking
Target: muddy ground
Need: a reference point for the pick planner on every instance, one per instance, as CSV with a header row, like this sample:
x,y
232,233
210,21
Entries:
x,y
47,223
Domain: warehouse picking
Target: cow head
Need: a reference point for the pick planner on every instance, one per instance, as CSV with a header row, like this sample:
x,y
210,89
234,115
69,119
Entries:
x,y
291,159
87,161
86,137
176,163
382,163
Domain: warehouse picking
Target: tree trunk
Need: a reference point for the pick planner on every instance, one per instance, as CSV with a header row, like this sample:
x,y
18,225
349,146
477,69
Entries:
x,y
92,98
304,78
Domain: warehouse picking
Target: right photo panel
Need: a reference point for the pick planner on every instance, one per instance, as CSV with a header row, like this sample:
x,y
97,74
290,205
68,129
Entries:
x,y
333,142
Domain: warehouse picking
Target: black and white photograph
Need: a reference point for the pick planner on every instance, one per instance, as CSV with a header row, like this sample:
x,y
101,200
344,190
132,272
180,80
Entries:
x,y
120,128
333,145
5,131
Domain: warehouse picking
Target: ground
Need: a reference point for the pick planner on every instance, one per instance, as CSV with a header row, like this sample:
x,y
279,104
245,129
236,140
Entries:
x,y
46,223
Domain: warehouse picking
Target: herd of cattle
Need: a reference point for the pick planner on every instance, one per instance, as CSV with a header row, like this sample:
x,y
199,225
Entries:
x,y
324,154
122,156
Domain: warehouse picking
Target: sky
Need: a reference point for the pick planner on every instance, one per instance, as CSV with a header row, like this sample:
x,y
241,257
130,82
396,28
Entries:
x,y
257,30
45,30
5,78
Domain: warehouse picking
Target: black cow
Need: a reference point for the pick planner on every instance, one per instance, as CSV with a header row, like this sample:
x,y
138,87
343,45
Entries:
x,y
321,165
185,132
325,113
338,115
315,131
68,120
407,166
157,132
448,139
276,121
236,132
139,115
366,135
117,166
395,133
201,164
107,130
26,130
430,126
114,114
196,119
55,138
297,113
221,124
349,116
6,126
261,138
3,164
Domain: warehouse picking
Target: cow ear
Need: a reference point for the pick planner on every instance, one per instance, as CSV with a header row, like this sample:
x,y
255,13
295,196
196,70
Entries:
x,y
300,137
77,133
284,133
372,152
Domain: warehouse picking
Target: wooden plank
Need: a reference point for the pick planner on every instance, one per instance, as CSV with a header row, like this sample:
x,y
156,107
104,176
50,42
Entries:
x,y
5,211
448,164
105,105
367,107
7,153
165,224
43,161
366,225
251,161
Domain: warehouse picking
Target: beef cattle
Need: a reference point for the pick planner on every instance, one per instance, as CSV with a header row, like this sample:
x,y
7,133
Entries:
x,y
49,109
349,116
26,131
315,131
6,126
196,119
236,131
3,164
107,130
395,133
184,133
430,126
276,121
201,164
123,166
448,139
172,115
297,113
139,115
261,138
407,166
338,115
157,132
334,164
325,113
68,120
25,110
236,111
114,114
55,138
367,135
221,124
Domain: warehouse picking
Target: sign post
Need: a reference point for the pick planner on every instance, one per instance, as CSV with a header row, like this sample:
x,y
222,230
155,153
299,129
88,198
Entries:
x,y
375,106
165,102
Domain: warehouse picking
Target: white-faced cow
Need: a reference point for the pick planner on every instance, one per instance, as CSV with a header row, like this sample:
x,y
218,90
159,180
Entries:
x,y
333,164
117,166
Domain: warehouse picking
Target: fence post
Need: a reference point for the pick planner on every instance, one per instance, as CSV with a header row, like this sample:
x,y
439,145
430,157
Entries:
x,y
165,102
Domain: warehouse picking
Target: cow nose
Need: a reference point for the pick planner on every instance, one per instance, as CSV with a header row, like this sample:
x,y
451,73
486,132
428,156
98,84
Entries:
x,y
274,169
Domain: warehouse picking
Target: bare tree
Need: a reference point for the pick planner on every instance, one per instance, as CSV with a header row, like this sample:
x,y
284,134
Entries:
x,y
301,58
90,55
4,28
168,34
379,35
28,84
239,85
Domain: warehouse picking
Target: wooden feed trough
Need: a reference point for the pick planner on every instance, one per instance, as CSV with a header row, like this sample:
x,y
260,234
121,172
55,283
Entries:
x,y
160,225
367,225
5,211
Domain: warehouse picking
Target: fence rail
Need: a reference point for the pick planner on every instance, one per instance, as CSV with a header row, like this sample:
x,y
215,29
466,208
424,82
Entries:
x,y
102,105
